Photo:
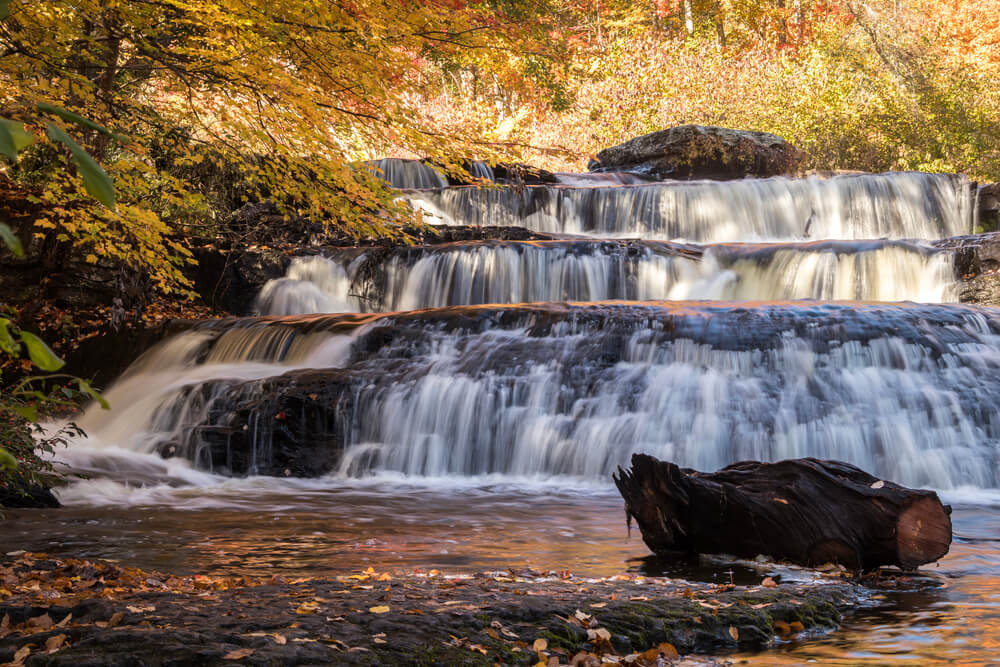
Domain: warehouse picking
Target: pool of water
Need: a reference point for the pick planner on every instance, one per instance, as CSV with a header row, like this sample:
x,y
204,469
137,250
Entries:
x,y
266,526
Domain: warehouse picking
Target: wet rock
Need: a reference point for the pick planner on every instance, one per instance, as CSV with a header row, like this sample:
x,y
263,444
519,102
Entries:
x,y
977,267
690,152
988,207
15,493
510,618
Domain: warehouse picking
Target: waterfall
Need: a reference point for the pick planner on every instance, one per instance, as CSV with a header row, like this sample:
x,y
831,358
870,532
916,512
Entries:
x,y
526,272
775,336
310,285
411,174
904,391
867,206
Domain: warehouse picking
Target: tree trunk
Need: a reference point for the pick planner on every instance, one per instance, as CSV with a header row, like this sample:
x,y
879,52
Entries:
x,y
805,511
688,17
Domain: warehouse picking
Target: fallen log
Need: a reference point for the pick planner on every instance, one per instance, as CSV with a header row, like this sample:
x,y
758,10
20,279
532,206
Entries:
x,y
806,511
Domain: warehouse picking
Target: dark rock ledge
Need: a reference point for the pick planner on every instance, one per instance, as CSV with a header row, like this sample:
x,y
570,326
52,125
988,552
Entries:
x,y
73,612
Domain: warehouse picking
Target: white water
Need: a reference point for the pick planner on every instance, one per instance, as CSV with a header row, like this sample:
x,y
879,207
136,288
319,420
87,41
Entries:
x,y
536,272
914,407
870,206
554,396
407,173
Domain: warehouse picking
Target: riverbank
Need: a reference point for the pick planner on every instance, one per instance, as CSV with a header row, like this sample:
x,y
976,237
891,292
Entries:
x,y
77,612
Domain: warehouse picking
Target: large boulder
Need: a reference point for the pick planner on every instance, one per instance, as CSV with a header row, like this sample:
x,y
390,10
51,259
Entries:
x,y
692,152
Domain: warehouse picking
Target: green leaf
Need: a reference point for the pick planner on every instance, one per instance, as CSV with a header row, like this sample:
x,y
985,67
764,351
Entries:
x,y
95,179
27,412
40,353
6,460
74,118
13,137
11,241
7,342
93,393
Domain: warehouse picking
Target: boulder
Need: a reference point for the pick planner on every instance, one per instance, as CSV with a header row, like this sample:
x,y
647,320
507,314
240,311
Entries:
x,y
691,152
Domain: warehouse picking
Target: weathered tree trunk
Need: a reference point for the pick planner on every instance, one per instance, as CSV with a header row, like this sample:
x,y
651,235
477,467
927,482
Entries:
x,y
805,511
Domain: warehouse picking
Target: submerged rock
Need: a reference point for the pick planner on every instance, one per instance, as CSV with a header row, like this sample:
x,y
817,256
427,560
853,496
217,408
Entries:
x,y
691,152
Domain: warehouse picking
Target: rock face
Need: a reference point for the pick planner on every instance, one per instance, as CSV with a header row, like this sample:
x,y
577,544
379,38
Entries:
x,y
989,207
977,267
17,494
690,152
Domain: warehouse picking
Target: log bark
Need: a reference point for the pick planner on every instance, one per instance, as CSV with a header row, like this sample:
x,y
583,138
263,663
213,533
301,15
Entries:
x,y
806,511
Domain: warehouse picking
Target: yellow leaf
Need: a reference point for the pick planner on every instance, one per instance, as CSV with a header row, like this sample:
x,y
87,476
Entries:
x,y
381,609
540,644
307,608
91,259
734,633
238,654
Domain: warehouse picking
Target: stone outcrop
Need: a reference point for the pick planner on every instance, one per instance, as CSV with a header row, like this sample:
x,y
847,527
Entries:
x,y
977,267
690,152
988,207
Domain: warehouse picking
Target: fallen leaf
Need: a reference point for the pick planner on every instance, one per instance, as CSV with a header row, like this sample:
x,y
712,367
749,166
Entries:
x,y
116,618
54,643
238,654
601,634
540,644
43,622
380,609
22,653
734,633
796,626
769,583
781,500
599,605
62,623
307,608
878,485
279,639
141,609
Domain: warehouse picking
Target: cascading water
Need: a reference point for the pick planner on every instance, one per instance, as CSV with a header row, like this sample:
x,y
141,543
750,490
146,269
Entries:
x,y
869,206
542,390
412,174
527,272
535,391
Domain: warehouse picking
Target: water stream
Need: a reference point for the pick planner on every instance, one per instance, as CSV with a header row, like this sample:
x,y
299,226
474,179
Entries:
x,y
462,406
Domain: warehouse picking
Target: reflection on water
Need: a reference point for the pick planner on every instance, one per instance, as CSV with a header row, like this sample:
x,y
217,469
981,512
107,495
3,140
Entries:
x,y
309,530
955,623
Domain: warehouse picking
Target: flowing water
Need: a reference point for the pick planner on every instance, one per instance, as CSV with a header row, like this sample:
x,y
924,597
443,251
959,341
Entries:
x,y
462,406
534,271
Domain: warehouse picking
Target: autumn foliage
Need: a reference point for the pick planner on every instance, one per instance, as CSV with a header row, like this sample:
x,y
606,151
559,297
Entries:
x,y
214,104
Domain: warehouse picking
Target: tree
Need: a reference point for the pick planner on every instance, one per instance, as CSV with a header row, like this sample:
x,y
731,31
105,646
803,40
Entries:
x,y
291,94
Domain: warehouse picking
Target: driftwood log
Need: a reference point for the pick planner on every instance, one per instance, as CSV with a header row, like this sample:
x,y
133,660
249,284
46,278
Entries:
x,y
805,511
